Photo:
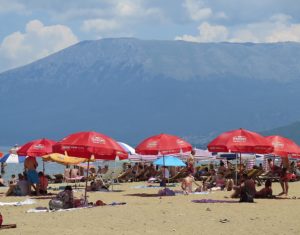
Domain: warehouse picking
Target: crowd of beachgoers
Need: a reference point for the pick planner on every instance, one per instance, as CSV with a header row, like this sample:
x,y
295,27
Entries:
x,y
210,177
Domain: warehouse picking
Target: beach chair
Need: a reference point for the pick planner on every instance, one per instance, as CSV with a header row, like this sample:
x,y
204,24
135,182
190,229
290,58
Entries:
x,y
111,176
71,176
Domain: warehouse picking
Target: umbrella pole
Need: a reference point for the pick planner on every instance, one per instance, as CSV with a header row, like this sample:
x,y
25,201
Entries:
x,y
86,181
236,170
240,168
164,172
43,167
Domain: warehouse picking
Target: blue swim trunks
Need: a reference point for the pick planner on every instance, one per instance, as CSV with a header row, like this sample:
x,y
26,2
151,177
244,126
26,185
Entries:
x,y
32,177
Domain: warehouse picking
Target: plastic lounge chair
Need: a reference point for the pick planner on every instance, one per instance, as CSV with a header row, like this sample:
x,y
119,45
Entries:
x,y
71,175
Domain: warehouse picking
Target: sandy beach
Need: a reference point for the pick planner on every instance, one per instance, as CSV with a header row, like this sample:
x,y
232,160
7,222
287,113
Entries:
x,y
146,213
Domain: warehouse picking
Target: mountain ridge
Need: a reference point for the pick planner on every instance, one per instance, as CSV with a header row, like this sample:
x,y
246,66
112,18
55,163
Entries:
x,y
130,89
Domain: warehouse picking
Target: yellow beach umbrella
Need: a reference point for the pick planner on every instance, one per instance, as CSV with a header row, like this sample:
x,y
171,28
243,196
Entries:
x,y
64,159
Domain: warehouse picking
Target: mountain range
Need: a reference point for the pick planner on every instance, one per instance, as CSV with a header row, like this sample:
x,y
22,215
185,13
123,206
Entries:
x,y
130,89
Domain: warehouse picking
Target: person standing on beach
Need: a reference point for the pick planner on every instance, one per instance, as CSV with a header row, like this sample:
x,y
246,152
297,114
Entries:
x,y
30,166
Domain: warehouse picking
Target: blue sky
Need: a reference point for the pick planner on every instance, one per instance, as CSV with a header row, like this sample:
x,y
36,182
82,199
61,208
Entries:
x,y
33,29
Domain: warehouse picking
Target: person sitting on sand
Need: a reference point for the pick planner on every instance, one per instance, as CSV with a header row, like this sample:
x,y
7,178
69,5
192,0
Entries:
x,y
187,183
43,183
210,182
20,188
247,186
64,200
265,192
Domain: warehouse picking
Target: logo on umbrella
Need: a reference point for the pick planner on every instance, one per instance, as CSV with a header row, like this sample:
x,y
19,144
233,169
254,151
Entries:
x,y
97,140
239,139
180,142
152,144
278,144
38,146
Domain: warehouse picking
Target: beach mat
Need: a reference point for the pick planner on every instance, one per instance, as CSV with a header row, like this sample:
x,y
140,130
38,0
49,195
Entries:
x,y
7,226
214,201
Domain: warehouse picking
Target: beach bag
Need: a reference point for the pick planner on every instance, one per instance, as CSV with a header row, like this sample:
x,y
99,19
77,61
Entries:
x,y
55,204
246,196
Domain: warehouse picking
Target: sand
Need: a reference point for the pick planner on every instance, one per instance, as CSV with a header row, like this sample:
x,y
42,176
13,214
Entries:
x,y
145,213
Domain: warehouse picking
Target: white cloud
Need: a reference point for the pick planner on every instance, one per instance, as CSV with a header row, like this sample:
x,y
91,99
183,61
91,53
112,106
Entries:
x,y
36,42
207,33
99,25
197,10
277,29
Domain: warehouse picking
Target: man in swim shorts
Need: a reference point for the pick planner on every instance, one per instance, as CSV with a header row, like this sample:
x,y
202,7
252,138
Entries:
x,y
30,166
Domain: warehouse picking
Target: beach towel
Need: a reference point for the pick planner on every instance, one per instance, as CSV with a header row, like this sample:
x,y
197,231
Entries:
x,y
214,201
197,193
45,209
151,186
28,201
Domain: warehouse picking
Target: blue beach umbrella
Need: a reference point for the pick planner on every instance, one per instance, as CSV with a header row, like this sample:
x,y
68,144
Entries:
x,y
12,158
169,161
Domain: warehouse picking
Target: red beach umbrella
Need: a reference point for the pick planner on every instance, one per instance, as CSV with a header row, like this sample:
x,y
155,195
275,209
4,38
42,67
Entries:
x,y
36,148
284,147
163,144
240,141
90,144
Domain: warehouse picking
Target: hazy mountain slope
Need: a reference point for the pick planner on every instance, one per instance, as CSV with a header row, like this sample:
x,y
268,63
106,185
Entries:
x,y
129,89
291,131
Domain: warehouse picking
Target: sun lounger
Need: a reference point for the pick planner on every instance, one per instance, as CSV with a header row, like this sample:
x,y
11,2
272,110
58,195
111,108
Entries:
x,y
71,176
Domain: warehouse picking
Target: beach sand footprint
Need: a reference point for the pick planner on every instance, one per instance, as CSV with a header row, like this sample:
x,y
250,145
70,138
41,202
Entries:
x,y
224,221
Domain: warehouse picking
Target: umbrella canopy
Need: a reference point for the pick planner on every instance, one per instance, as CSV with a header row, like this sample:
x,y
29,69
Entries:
x,y
12,158
130,150
36,148
63,159
284,147
88,144
163,144
240,141
169,161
